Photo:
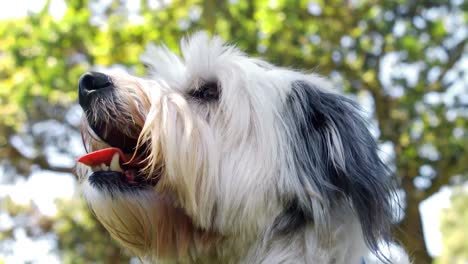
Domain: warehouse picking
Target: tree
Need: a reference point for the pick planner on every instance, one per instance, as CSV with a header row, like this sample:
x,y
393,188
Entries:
x,y
406,57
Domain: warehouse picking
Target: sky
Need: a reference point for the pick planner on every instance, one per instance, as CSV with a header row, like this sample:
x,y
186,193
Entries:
x,y
22,191
20,8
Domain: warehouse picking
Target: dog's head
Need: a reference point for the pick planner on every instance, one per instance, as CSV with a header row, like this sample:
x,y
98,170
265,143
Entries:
x,y
215,144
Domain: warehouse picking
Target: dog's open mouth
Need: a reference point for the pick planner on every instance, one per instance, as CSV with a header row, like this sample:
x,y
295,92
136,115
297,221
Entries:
x,y
113,168
111,159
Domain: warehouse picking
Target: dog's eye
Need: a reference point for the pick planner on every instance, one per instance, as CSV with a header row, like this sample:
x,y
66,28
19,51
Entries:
x,y
208,91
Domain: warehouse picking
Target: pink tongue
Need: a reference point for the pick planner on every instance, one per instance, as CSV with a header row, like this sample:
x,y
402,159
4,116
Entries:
x,y
105,156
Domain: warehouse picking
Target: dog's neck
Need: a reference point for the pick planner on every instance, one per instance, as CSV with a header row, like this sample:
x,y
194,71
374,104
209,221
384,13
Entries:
x,y
299,246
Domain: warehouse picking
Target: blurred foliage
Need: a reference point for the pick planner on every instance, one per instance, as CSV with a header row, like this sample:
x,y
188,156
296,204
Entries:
x,y
81,237
455,230
408,57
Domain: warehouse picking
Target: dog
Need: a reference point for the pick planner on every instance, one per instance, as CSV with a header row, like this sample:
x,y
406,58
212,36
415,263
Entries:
x,y
217,157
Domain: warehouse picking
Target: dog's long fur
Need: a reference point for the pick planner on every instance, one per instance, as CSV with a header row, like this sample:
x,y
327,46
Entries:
x,y
255,163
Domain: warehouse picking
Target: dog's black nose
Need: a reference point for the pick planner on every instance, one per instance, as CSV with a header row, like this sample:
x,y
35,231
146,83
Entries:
x,y
94,80
91,82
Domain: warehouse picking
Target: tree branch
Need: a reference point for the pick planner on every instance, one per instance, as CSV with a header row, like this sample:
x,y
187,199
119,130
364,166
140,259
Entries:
x,y
23,163
456,54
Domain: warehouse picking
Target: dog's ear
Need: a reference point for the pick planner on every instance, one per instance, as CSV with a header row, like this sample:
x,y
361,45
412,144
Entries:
x,y
335,157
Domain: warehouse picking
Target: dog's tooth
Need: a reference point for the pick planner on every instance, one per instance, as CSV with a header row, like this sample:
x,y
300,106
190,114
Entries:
x,y
115,165
104,167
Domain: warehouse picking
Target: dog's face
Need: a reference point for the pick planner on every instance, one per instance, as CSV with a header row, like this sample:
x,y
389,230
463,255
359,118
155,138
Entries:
x,y
216,145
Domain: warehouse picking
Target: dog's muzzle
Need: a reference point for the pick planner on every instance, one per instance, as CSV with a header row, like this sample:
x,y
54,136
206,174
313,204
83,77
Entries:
x,y
116,167
90,83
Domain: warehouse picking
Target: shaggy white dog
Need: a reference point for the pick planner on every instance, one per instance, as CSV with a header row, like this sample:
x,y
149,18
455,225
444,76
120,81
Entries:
x,y
222,158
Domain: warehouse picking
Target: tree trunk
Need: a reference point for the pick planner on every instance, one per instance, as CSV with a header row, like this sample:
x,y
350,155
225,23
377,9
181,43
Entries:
x,y
409,232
